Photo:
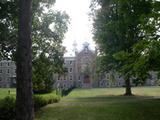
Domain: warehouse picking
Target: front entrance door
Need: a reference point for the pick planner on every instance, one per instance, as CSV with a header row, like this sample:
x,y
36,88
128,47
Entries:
x,y
87,81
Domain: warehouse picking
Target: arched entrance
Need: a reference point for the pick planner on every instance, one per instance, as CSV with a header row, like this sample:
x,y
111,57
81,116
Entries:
x,y
86,81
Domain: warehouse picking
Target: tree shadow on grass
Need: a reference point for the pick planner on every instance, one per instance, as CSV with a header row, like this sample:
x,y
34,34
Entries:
x,y
110,107
114,98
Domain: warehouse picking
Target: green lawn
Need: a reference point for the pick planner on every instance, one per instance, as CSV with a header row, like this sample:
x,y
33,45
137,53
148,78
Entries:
x,y
7,91
105,104
12,92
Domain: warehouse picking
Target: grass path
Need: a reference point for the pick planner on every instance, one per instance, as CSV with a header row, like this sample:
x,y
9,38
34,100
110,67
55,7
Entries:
x,y
105,104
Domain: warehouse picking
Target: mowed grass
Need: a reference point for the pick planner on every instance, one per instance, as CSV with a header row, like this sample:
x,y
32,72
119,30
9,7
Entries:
x,y
7,91
12,92
139,91
105,104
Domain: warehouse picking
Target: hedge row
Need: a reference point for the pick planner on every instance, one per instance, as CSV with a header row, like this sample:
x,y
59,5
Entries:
x,y
7,105
41,100
7,108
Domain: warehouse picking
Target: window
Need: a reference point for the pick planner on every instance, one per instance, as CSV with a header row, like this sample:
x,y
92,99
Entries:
x,y
1,64
8,71
66,69
0,71
79,78
66,62
70,69
0,79
64,77
70,77
8,64
58,77
150,77
70,62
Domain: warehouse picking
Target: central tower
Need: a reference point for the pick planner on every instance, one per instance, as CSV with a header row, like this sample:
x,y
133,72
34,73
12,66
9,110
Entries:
x,y
85,66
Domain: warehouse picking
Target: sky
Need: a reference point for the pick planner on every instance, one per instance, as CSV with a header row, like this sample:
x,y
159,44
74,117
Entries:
x,y
79,29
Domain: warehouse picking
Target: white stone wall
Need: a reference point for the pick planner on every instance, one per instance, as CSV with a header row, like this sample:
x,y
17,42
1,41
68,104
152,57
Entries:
x,y
7,73
66,80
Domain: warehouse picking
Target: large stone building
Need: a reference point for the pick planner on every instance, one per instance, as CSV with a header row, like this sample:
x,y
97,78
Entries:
x,y
82,73
7,73
80,70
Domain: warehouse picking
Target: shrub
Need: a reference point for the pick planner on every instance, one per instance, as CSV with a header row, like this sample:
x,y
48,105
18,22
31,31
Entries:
x,y
7,108
8,104
41,100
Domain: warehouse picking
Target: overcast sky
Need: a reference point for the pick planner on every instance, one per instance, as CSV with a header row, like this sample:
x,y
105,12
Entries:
x,y
80,26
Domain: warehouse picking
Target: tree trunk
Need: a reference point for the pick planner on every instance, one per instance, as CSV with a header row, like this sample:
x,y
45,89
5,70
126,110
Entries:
x,y
128,91
24,99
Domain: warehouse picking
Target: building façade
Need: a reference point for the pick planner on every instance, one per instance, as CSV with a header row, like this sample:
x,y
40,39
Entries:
x,y
81,72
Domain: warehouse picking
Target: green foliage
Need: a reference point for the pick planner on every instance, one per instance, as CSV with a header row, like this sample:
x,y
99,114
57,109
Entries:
x,y
122,55
8,103
42,74
7,108
146,58
8,27
43,17
48,31
158,82
126,32
39,102
42,100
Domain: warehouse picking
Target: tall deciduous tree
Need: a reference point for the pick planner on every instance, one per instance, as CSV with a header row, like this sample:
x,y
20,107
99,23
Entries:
x,y
48,29
117,28
24,100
